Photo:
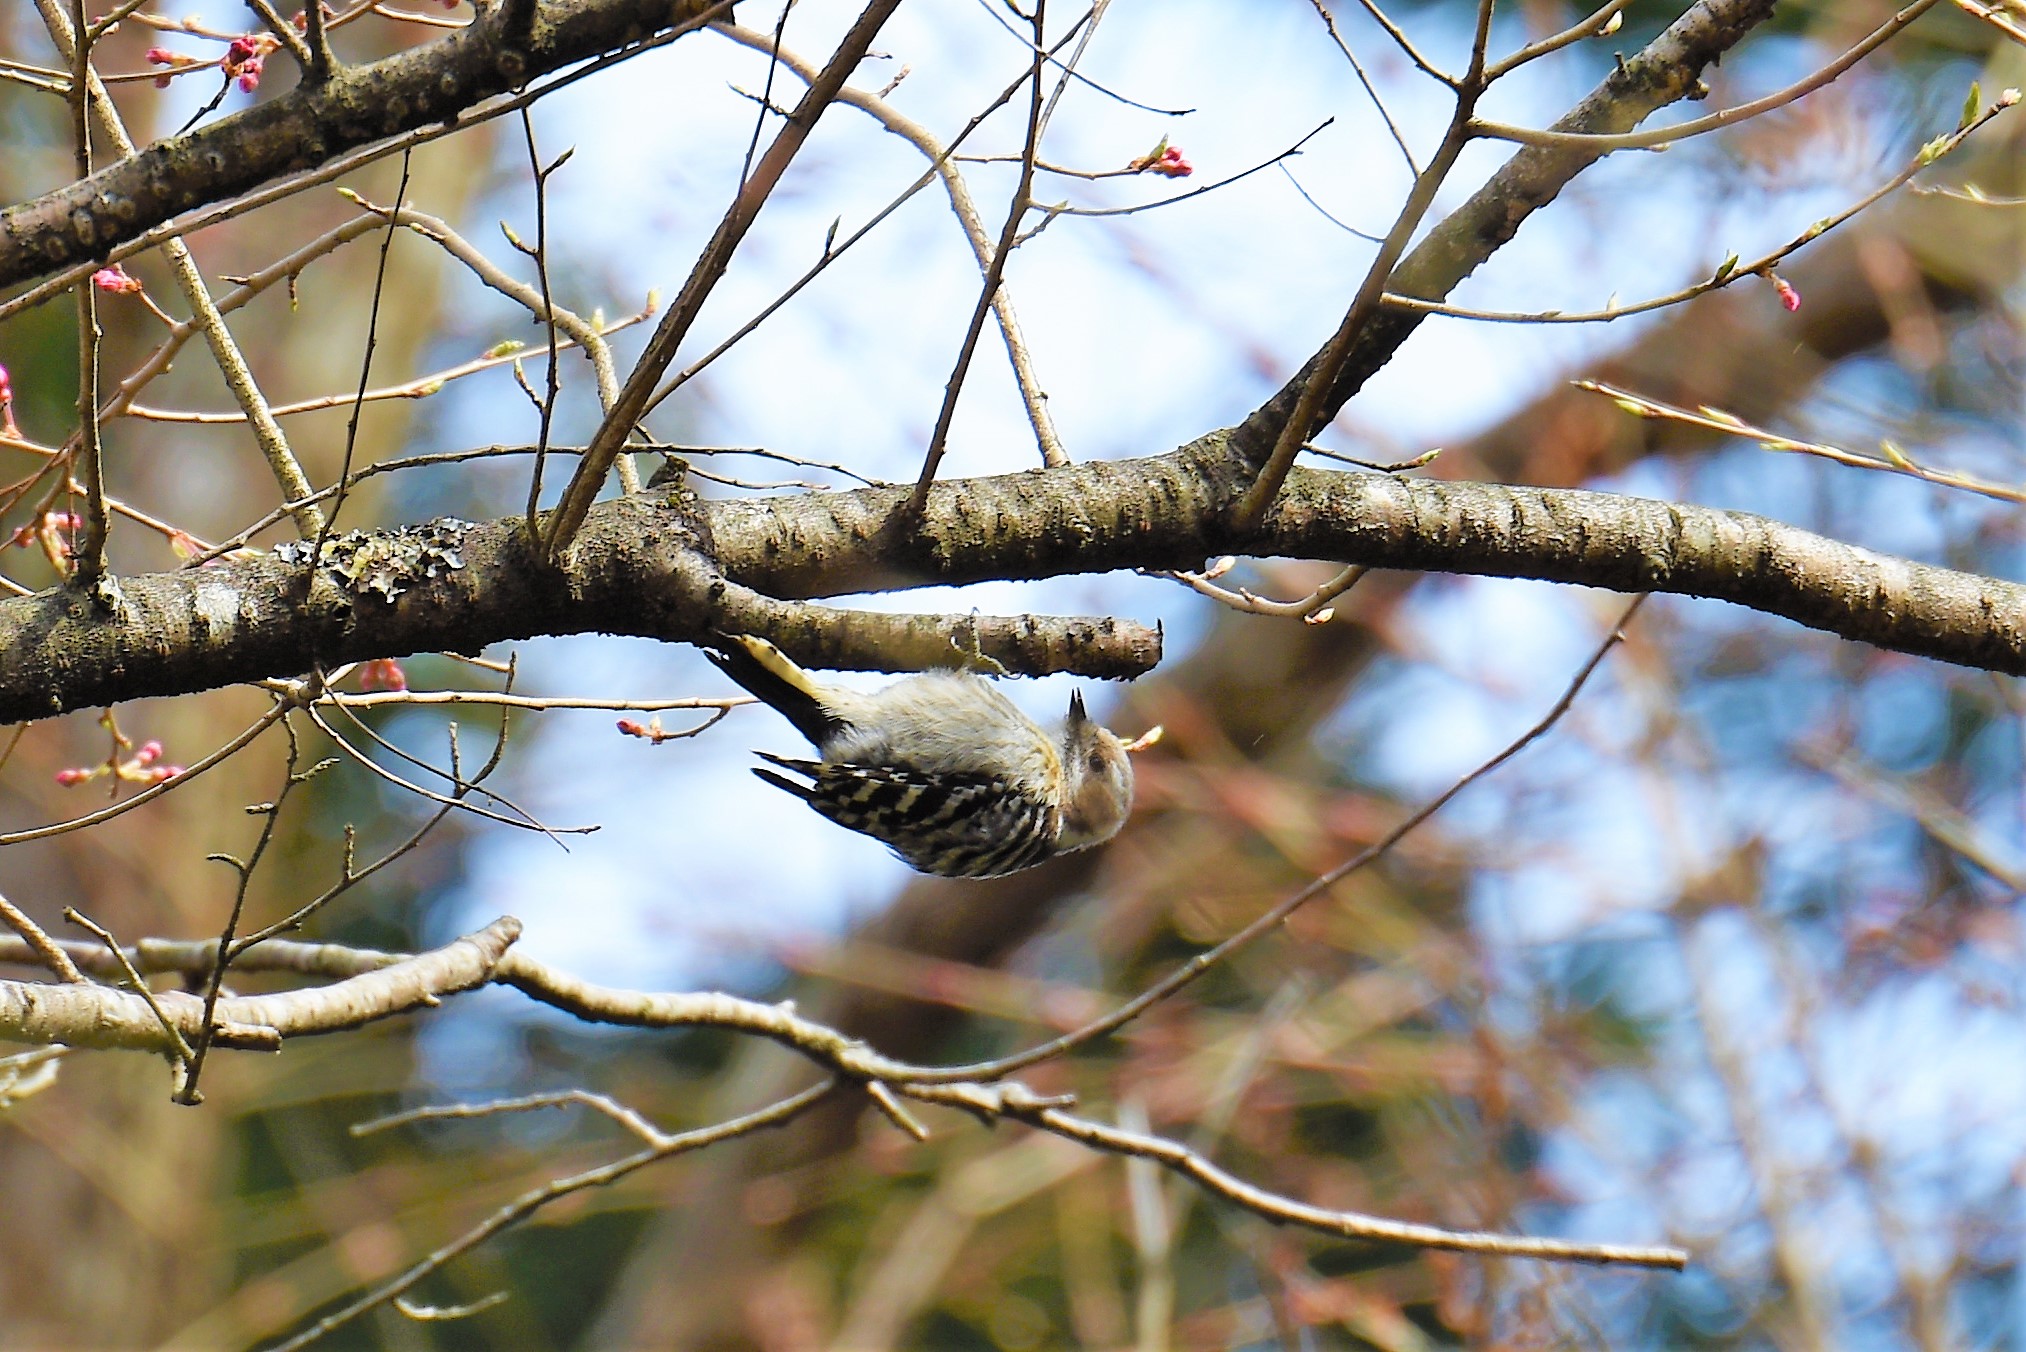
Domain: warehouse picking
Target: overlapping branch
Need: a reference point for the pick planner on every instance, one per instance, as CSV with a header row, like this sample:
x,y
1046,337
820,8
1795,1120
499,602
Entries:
x,y
639,570
94,1016
319,121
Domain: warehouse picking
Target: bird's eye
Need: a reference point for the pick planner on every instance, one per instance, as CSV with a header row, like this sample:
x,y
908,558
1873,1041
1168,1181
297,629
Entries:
x,y
1096,763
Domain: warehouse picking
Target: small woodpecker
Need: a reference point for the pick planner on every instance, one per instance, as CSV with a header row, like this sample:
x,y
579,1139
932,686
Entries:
x,y
941,767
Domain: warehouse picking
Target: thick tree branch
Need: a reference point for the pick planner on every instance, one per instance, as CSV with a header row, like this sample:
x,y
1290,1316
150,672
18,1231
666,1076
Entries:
x,y
318,121
641,569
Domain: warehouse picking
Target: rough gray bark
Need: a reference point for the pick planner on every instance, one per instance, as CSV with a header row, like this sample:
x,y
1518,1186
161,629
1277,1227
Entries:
x,y
317,121
643,567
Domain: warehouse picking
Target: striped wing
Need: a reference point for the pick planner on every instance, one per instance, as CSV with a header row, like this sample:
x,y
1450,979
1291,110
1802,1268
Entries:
x,y
955,825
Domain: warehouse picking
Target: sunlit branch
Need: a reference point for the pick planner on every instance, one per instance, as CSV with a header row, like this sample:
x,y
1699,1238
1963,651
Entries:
x,y
1728,117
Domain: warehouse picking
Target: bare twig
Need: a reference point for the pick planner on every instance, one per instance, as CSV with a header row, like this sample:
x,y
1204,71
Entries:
x,y
1365,82
344,484
1890,460
535,1199
832,249
940,156
91,542
1022,1105
1251,507
1008,236
1601,23
45,949
1313,608
1732,270
134,981
1272,918
206,316
188,1093
1728,117
153,791
618,425
553,376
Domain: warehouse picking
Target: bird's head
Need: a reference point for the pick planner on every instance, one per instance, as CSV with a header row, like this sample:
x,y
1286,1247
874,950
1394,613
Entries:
x,y
1097,780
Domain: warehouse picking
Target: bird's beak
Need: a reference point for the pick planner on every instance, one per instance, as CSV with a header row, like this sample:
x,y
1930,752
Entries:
x,y
1076,713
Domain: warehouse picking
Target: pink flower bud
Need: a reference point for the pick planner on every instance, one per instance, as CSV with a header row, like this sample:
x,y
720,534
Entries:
x,y
70,777
382,673
1789,297
1164,160
115,280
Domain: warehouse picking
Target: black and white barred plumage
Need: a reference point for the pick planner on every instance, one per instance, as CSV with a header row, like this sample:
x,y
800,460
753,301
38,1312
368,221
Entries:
x,y
941,767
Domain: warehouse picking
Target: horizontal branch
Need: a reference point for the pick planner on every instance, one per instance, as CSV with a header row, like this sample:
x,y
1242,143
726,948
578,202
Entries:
x,y
101,1017
452,586
1162,513
638,570
881,1078
318,121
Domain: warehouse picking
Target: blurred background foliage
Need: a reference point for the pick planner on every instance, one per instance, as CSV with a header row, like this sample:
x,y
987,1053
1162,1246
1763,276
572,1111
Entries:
x,y
1731,960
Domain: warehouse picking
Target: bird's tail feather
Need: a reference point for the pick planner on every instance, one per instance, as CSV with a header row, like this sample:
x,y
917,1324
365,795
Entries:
x,y
774,678
800,767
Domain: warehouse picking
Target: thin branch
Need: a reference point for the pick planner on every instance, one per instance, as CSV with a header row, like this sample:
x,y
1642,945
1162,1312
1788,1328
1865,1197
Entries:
x,y
1311,609
777,1114
1301,421
244,199
1732,270
1601,23
982,248
91,543
1891,460
1025,1107
618,426
633,1123
536,702
1728,117
832,250
1406,44
188,1093
206,315
134,981
1371,92
1068,68
523,820
552,376
419,387
1272,918
1008,236
344,484
39,943
1064,209
350,877
153,791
